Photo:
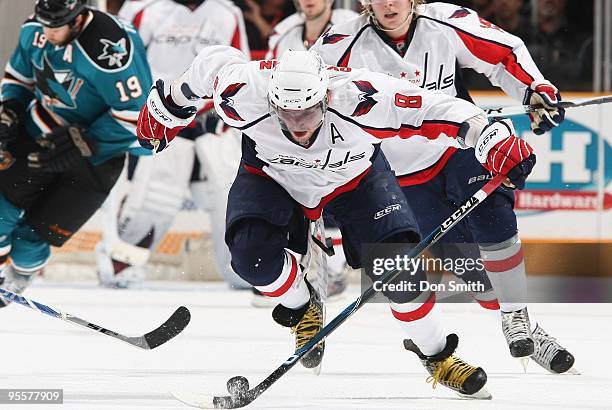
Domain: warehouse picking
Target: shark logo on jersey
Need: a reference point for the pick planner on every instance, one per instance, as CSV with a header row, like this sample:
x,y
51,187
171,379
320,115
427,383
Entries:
x,y
462,12
332,38
227,103
59,87
114,52
366,102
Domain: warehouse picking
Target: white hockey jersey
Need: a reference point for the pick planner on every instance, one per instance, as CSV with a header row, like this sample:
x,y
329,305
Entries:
x,y
442,38
173,34
289,33
364,108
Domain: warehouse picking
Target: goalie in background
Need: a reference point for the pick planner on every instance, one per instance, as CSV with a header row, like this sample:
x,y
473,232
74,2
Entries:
x,y
206,156
70,98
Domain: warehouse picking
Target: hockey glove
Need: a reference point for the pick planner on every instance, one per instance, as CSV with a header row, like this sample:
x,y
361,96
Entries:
x,y
11,120
62,149
501,152
547,95
160,119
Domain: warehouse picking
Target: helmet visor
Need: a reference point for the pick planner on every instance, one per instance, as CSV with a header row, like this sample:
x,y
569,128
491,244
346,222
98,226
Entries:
x,y
308,119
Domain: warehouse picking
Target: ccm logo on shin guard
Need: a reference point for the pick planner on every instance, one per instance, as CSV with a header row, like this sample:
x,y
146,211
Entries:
x,y
386,211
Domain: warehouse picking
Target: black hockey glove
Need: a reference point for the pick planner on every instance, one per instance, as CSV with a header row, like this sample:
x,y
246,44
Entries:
x,y
62,149
12,115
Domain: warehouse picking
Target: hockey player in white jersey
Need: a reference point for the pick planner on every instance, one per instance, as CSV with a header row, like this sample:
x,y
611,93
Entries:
x,y
426,45
299,31
205,158
310,139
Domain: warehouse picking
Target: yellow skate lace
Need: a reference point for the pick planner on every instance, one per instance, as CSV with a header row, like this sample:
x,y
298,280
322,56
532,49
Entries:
x,y
310,324
451,372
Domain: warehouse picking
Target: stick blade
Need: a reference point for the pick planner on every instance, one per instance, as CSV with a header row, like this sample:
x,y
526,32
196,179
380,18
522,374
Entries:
x,y
169,329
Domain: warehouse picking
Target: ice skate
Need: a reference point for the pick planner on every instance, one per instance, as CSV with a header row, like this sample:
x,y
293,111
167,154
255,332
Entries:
x,y
551,355
517,332
14,282
305,322
336,285
452,372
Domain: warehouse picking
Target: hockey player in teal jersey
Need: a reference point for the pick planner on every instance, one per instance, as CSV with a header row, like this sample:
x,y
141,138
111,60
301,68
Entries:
x,y
69,102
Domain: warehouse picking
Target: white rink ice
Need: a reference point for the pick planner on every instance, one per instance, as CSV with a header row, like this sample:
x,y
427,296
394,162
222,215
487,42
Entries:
x,y
365,365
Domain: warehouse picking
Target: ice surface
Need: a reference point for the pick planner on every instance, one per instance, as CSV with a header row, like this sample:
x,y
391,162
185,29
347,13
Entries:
x,y
365,365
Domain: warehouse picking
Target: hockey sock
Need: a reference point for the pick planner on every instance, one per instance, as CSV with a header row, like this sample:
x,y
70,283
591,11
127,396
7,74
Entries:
x,y
420,320
505,265
289,289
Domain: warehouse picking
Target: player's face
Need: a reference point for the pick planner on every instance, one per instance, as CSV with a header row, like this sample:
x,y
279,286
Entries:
x,y
59,35
391,14
313,8
301,124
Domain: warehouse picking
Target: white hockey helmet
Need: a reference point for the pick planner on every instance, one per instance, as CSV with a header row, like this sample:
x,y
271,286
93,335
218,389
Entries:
x,y
297,91
298,81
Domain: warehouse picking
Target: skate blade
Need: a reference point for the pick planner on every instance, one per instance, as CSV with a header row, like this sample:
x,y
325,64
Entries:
x,y
573,371
482,394
525,363
317,370
199,401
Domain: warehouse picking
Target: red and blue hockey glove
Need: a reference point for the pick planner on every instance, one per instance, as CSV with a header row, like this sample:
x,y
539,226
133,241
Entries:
x,y
547,95
501,152
160,119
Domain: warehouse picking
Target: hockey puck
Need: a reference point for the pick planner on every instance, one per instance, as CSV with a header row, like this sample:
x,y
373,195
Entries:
x,y
237,385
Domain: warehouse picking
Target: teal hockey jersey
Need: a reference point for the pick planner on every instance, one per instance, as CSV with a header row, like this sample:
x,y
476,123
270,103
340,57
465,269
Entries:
x,y
99,81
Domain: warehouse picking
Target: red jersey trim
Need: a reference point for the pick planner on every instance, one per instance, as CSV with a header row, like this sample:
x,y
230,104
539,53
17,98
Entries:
x,y
425,175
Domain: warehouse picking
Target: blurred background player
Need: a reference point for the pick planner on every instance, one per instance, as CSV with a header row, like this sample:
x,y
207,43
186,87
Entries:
x,y
205,158
299,32
426,45
70,98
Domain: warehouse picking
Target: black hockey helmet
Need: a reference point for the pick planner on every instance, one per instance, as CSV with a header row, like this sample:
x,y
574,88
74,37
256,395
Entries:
x,y
56,13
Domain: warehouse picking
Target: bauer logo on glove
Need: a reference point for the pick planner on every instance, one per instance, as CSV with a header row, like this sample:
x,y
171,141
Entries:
x,y
160,120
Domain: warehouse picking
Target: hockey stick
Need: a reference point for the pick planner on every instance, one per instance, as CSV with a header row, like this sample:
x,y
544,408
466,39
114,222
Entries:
x,y
169,329
238,386
525,109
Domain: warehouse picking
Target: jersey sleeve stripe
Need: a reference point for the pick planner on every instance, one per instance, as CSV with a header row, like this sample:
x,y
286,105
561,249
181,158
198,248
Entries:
x,y
491,51
10,81
430,129
16,75
495,53
236,37
125,115
138,19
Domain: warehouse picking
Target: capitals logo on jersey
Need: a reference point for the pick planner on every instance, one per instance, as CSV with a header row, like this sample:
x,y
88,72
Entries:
x,y
331,38
59,87
227,104
462,12
366,102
